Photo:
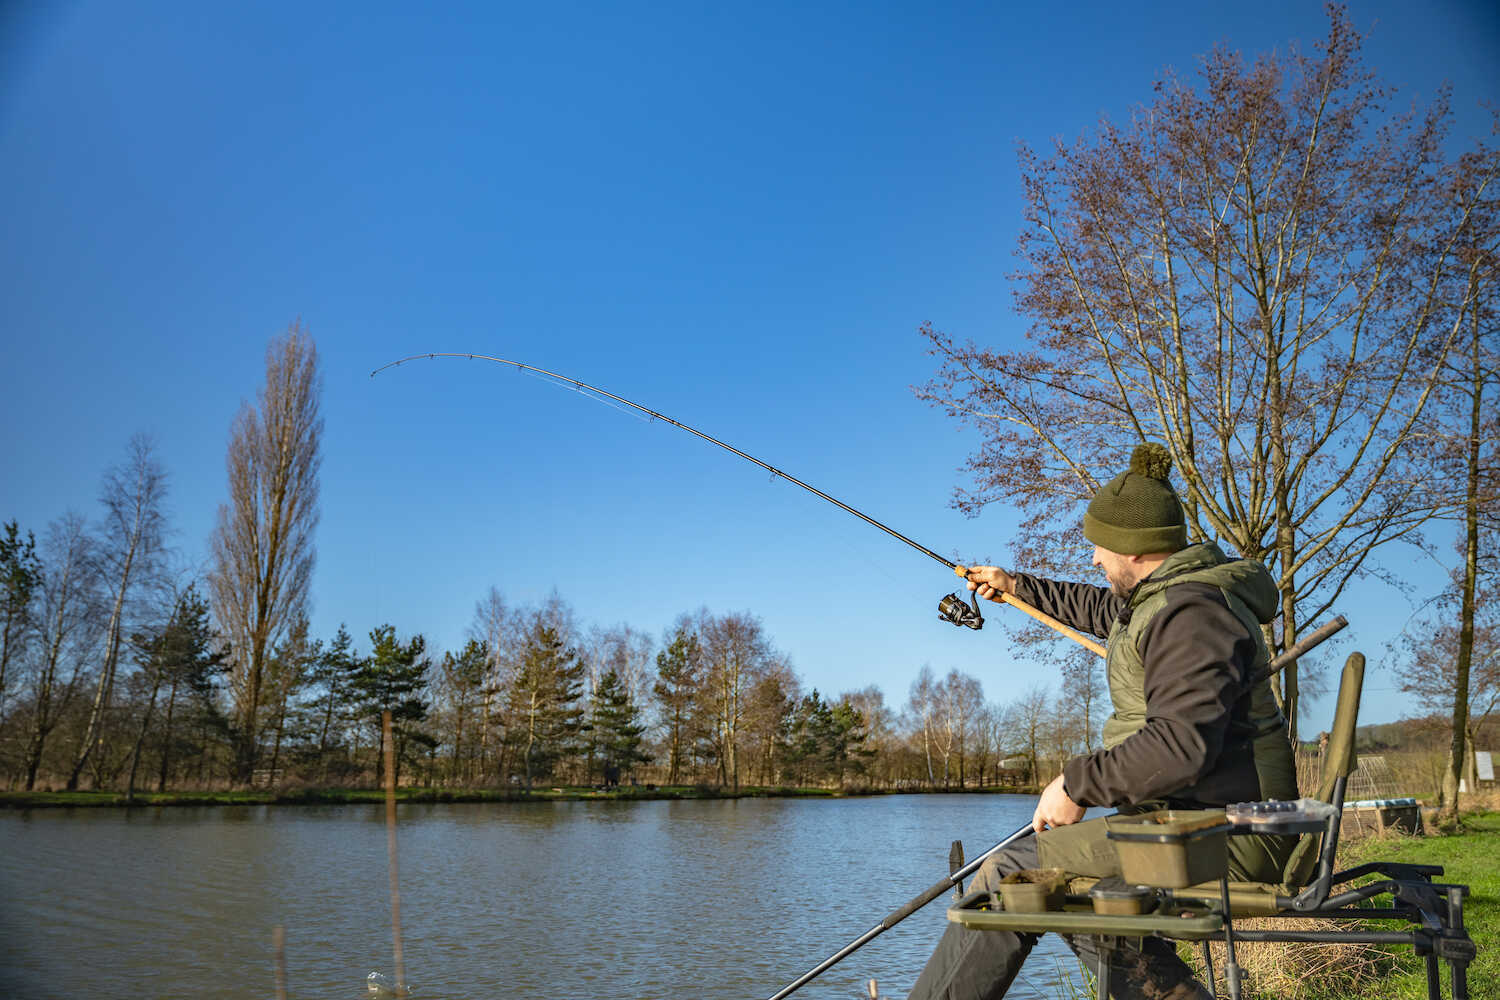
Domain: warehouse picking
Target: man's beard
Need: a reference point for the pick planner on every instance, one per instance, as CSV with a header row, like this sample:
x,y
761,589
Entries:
x,y
1120,587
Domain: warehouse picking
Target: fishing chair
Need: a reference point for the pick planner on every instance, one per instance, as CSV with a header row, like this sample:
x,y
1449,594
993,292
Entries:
x,y
1309,881
1207,911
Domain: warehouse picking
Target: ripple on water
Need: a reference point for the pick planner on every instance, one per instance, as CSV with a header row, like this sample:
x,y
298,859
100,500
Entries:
x,y
597,900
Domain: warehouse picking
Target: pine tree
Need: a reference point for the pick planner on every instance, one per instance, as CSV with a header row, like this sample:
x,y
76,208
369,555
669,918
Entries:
x,y
20,578
333,676
394,679
464,676
827,741
617,730
679,673
544,703
182,657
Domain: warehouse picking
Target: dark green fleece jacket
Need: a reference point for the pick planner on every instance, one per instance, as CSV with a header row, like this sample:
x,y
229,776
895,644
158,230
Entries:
x,y
1188,728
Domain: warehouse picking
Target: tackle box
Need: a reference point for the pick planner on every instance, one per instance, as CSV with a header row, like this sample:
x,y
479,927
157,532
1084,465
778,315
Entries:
x,y
1172,848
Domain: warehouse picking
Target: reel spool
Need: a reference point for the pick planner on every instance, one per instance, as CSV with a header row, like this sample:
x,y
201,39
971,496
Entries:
x,y
953,609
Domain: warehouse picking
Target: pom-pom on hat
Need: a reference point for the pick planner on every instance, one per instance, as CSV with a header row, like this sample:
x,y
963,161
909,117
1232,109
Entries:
x,y
1138,512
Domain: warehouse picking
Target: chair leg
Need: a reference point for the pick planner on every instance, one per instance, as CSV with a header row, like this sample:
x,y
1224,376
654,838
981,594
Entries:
x,y
1208,966
1461,951
1434,990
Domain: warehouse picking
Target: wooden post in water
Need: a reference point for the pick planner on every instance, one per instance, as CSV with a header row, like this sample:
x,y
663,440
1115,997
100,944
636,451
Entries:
x,y
278,942
390,839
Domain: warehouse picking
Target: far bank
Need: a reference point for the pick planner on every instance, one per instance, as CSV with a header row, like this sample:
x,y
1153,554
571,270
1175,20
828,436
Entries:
x,y
563,793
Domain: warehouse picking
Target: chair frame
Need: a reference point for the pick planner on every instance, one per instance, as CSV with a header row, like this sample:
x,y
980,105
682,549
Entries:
x,y
1433,909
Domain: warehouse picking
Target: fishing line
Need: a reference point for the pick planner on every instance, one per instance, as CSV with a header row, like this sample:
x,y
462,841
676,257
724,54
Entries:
x,y
951,609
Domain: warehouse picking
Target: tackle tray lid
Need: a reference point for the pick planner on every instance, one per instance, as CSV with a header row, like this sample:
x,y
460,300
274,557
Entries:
x,y
1116,888
1167,826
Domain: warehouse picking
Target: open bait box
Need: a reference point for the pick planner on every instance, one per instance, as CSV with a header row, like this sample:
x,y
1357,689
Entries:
x,y
1173,848
1033,890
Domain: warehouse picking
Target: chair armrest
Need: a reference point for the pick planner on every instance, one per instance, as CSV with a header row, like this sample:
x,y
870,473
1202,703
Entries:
x,y
1390,869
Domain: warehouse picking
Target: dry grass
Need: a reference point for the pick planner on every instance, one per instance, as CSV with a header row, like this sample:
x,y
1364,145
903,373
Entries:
x,y
1281,970
1278,970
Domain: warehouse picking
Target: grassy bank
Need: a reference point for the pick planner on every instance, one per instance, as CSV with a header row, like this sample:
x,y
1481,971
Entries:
x,y
339,796
1469,856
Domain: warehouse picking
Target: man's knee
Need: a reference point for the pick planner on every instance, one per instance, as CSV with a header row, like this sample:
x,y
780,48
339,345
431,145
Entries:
x,y
1014,858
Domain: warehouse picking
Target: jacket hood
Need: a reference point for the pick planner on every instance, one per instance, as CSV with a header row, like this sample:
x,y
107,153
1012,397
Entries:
x,y
1245,578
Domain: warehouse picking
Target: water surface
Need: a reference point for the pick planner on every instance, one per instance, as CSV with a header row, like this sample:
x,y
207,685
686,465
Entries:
x,y
609,900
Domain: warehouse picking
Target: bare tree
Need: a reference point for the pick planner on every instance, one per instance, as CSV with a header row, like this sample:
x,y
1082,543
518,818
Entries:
x,y
262,547
1466,428
1083,689
1026,722
963,700
627,651
1429,661
768,715
1250,270
924,719
130,555
496,627
736,653
69,635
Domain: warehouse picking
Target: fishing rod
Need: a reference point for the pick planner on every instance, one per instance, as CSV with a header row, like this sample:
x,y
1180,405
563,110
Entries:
x,y
897,915
951,608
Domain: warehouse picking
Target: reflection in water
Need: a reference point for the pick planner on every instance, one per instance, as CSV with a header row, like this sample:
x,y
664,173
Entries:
x,y
569,899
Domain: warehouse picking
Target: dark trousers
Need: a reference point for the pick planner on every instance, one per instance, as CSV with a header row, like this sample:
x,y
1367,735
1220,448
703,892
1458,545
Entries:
x,y
981,965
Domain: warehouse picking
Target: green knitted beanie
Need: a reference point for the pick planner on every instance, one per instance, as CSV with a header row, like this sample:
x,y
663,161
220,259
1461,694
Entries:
x,y
1137,511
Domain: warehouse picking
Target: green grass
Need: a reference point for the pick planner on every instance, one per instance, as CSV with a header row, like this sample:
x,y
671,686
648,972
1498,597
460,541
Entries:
x,y
1469,857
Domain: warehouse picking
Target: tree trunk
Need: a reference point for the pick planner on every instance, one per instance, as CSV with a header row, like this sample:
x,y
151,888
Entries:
x,y
140,738
276,749
1471,570
166,742
106,680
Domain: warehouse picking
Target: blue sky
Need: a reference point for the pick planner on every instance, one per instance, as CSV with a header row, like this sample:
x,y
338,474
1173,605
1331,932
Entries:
x,y
735,214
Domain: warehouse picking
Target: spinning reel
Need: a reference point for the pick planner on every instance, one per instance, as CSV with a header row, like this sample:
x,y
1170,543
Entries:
x,y
953,609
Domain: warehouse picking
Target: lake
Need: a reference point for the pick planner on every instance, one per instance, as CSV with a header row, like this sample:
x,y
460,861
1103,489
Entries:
x,y
725,898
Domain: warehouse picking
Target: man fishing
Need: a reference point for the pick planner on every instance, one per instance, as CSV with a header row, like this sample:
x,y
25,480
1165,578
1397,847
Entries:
x,y
1188,730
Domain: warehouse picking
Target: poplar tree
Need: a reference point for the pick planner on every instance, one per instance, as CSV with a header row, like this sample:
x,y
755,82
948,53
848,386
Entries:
x,y
262,546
